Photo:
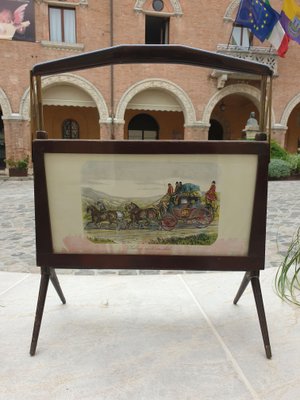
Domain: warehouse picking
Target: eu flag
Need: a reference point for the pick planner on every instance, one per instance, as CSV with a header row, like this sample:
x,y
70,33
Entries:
x,y
258,16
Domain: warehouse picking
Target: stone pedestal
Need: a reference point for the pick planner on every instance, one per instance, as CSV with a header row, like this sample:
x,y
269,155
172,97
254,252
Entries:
x,y
250,132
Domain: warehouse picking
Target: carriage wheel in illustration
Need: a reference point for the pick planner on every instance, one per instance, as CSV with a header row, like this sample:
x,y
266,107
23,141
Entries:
x,y
205,217
168,222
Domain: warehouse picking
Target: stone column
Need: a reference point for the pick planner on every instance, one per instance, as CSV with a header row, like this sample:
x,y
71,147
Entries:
x,y
278,133
119,129
196,132
17,137
105,130
112,132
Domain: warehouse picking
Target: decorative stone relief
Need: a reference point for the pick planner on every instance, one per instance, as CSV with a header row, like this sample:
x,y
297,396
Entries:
x,y
64,2
74,80
175,3
160,84
288,109
231,10
5,105
139,5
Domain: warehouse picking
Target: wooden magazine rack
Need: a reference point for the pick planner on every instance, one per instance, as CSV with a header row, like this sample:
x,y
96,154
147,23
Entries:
x,y
215,219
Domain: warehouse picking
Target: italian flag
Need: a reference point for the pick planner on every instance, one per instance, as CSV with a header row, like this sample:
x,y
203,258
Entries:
x,y
279,39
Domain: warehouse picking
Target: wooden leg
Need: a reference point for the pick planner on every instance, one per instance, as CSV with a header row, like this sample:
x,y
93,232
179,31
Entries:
x,y
261,313
45,275
55,283
253,276
244,284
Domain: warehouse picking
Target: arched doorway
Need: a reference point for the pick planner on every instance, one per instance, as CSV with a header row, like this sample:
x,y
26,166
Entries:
x,y
68,109
232,113
2,142
292,143
143,127
216,131
166,102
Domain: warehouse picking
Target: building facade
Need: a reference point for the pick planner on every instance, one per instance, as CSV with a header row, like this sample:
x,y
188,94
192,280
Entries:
x,y
137,101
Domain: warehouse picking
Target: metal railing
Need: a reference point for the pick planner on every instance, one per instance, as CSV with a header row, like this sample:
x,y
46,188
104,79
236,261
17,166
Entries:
x,y
265,55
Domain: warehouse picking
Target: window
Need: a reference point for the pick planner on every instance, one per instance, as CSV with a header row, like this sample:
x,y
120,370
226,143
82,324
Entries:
x,y
241,36
143,127
157,30
62,25
158,5
70,129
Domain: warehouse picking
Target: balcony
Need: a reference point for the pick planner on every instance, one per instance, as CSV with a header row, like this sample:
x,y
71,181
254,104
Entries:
x,y
264,55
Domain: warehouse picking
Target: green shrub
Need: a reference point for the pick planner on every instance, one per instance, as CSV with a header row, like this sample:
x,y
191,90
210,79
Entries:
x,y
21,163
294,161
279,168
287,280
276,151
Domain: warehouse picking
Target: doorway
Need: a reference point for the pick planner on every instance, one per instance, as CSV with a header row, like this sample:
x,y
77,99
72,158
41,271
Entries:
x,y
216,131
143,127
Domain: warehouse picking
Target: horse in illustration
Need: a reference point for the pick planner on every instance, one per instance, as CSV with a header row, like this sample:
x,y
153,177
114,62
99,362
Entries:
x,y
141,216
102,216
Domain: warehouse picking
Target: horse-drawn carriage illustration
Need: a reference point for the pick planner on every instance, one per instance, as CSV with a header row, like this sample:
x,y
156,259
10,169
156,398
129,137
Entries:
x,y
185,206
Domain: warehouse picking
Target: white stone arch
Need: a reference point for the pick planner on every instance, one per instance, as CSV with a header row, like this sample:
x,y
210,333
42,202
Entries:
x,y
160,84
288,109
70,79
5,105
248,91
231,11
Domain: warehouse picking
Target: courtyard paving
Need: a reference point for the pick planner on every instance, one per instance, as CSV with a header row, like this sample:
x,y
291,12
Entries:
x,y
17,235
145,337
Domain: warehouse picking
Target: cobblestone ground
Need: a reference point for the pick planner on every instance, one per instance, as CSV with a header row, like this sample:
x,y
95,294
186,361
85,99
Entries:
x,y
17,236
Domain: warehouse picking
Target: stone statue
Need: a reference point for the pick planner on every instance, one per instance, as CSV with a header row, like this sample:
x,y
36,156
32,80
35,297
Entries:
x,y
251,128
252,121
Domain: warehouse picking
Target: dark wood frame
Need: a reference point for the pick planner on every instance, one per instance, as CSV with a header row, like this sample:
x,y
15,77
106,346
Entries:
x,y
153,54
149,54
48,259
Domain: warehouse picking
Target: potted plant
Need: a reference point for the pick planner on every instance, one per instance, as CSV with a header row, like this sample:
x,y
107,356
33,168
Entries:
x,y
18,167
287,281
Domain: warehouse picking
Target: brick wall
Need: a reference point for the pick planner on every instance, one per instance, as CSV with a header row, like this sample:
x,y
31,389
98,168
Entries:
x,y
201,25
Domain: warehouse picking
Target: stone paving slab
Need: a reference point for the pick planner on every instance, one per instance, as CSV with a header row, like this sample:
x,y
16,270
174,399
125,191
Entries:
x,y
147,337
17,234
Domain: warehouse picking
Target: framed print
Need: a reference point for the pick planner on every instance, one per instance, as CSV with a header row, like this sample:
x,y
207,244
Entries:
x,y
159,205
17,20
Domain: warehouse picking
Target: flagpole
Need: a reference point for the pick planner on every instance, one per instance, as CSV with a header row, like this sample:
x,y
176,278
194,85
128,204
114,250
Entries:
x,y
229,40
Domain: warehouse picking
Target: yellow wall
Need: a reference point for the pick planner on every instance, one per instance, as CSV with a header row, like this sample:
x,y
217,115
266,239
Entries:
x,y
171,124
87,117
